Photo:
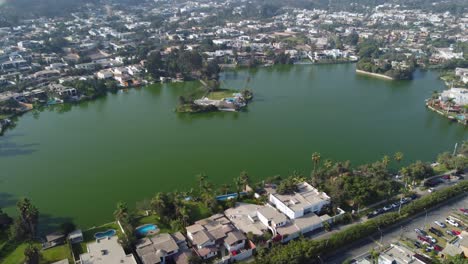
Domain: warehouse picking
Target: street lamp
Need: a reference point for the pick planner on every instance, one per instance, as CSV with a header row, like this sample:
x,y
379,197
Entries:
x,y
425,219
381,236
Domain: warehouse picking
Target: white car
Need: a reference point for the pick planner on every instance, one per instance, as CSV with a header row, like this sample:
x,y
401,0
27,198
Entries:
x,y
431,190
388,208
451,222
433,240
440,224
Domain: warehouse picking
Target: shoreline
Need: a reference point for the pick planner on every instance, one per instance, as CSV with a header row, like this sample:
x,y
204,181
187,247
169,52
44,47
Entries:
x,y
445,115
374,74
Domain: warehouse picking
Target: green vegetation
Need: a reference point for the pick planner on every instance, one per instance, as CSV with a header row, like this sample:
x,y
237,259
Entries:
x,y
307,251
220,94
181,63
390,63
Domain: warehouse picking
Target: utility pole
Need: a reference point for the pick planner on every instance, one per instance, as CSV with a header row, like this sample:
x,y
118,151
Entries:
x,y
425,219
455,149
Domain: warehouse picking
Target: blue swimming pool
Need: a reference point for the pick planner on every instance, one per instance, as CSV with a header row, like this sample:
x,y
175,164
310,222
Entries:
x,y
228,196
108,233
145,229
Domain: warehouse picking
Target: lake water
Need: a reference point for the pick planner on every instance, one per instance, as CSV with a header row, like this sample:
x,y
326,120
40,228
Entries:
x,y
77,162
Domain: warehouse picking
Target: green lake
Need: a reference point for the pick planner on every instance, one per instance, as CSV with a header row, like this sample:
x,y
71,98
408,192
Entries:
x,y
77,162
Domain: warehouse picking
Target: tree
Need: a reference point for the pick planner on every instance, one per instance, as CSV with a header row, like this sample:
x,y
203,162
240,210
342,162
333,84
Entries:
x,y
5,220
225,188
201,178
238,184
385,160
315,160
121,212
31,254
328,164
398,157
435,95
245,179
158,203
449,103
29,217
154,63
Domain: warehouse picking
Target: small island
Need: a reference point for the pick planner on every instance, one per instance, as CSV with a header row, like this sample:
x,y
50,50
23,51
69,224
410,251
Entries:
x,y
215,99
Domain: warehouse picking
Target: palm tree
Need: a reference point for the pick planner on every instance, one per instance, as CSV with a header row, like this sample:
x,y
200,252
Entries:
x,y
315,159
398,157
29,216
158,203
201,178
435,95
385,160
225,188
32,254
328,164
121,212
244,178
449,103
238,183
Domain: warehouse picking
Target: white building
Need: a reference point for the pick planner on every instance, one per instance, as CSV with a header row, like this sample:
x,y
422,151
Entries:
x,y
397,254
462,73
459,95
306,200
106,251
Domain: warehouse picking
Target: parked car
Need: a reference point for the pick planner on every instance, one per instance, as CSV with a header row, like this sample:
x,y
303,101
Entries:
x,y
449,232
431,190
452,222
464,211
424,239
440,224
433,240
438,248
420,232
405,200
456,233
396,204
388,208
446,177
435,231
429,248
417,244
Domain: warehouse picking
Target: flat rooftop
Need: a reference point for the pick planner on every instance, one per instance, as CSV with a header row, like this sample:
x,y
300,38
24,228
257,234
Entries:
x,y
244,217
305,196
106,251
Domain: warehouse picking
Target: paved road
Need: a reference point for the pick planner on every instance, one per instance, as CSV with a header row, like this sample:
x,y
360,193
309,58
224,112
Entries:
x,y
406,229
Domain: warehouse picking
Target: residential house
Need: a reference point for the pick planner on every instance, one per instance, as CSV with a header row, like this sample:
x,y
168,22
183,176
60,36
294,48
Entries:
x,y
75,236
306,200
106,251
159,248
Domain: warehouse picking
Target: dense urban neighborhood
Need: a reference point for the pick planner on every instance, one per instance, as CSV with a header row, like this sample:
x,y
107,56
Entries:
x,y
109,46
69,53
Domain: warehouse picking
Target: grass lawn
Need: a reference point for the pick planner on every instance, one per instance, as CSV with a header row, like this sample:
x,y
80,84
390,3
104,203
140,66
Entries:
x,y
56,253
15,254
154,219
88,235
440,169
220,94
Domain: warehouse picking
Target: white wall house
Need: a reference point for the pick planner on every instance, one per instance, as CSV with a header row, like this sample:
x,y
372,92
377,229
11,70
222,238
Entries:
x,y
459,95
306,200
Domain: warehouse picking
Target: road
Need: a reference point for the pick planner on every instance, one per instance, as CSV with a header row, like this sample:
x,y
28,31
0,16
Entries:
x,y
406,229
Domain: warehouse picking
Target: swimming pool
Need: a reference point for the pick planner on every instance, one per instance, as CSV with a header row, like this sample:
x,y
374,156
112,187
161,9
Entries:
x,y
108,233
145,229
228,196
